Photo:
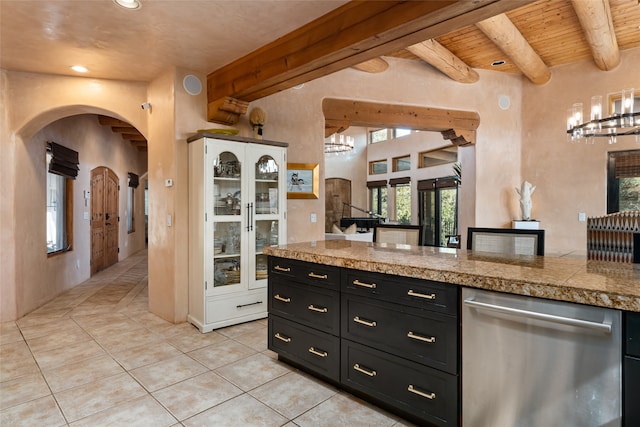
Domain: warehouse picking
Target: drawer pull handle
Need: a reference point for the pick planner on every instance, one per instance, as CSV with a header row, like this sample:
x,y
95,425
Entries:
x,y
319,310
419,295
281,338
363,284
318,352
317,276
286,270
414,390
368,372
421,338
283,299
371,324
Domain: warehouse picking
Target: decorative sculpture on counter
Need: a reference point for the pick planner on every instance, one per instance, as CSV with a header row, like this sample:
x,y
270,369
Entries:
x,y
258,118
525,192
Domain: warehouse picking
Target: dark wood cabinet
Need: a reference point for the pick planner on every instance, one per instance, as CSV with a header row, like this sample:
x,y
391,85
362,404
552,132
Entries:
x,y
390,339
304,315
631,370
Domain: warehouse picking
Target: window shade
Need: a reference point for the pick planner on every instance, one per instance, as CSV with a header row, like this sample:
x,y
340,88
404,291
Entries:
x,y
430,184
627,164
377,184
64,161
398,181
133,179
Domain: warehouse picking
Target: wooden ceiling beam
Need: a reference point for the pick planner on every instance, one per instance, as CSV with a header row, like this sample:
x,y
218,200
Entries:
x,y
375,65
438,56
597,24
349,35
460,125
510,40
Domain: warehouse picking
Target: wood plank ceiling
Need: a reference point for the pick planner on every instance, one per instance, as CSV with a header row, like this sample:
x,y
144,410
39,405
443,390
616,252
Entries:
x,y
525,37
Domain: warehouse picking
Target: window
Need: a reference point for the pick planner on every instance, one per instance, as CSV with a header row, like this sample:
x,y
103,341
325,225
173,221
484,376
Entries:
x,y
378,197
402,193
62,168
401,163
132,185
377,167
380,135
440,156
623,181
59,196
438,210
403,203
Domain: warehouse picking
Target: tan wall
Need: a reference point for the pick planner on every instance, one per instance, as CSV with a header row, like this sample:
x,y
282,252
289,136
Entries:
x,y
33,102
487,197
570,178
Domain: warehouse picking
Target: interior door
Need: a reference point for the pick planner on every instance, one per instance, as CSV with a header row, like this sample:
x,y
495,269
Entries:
x,y
104,218
338,192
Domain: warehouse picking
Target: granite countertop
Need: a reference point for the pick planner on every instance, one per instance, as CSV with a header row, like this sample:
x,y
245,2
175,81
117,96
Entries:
x,y
604,284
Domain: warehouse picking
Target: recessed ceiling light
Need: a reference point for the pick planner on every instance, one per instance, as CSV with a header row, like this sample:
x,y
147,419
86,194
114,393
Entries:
x,y
79,69
497,63
129,4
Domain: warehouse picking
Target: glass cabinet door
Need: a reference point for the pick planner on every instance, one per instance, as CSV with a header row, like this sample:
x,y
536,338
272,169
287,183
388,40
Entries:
x,y
267,210
227,222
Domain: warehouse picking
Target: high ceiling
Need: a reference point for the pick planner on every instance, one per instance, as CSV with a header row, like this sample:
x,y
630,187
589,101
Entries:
x,y
114,43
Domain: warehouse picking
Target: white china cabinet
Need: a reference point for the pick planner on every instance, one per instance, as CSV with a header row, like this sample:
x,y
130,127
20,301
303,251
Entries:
x,y
237,205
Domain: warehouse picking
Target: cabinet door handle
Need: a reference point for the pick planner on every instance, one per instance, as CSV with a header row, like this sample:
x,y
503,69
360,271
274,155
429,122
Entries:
x,y
421,338
419,295
320,353
363,284
317,276
281,338
414,390
319,310
371,324
283,299
365,371
285,269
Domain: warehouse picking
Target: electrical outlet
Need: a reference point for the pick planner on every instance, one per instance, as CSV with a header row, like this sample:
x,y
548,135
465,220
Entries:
x,y
314,218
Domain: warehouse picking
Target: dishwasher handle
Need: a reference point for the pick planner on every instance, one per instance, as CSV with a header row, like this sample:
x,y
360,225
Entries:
x,y
600,327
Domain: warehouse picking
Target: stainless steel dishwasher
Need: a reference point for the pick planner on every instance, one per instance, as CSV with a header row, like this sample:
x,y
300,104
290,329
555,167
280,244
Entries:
x,y
530,362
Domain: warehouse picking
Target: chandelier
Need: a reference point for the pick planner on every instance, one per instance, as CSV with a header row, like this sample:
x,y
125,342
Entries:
x,y
342,144
626,122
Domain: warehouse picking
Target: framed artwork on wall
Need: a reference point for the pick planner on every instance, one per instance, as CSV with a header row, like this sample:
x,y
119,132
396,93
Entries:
x,y
302,181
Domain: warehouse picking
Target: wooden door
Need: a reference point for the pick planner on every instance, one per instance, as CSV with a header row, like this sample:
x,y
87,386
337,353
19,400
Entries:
x,y
337,192
104,218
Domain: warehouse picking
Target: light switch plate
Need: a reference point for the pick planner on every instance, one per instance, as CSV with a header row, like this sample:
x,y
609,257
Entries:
x,y
314,217
582,217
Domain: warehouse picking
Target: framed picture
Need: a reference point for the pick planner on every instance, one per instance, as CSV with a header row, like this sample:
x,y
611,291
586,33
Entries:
x,y
302,180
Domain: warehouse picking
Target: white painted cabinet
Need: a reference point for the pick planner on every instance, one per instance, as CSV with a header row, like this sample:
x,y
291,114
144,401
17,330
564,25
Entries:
x,y
237,205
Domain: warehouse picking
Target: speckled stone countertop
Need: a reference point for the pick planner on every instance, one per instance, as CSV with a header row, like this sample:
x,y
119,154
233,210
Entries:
x,y
603,284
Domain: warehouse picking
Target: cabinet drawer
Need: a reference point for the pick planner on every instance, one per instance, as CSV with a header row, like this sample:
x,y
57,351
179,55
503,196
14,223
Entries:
x,y
632,333
236,306
312,306
305,272
419,335
415,389
316,351
419,293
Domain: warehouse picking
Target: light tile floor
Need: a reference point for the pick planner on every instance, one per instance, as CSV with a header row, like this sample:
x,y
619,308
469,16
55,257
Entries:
x,y
95,356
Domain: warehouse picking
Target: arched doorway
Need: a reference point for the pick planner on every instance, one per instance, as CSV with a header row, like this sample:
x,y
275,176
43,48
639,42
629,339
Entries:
x,y
104,218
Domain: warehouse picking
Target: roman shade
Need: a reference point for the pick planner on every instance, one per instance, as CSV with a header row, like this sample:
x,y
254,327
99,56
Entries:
x,y
399,181
133,179
64,161
430,184
627,164
377,184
